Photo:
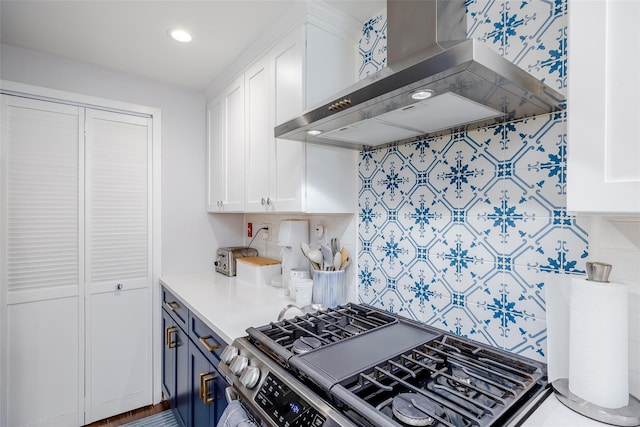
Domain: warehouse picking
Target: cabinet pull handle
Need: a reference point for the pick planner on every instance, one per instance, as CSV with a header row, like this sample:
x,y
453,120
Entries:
x,y
262,201
167,337
173,306
205,380
268,201
209,347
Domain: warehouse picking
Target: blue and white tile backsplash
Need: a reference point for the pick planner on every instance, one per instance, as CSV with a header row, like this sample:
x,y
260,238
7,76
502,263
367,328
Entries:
x,y
460,231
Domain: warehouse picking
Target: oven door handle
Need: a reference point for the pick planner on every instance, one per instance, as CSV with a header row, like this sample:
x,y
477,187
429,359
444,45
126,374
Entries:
x,y
231,394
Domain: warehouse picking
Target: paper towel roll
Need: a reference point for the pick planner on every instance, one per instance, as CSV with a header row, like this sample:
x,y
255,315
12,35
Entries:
x,y
598,343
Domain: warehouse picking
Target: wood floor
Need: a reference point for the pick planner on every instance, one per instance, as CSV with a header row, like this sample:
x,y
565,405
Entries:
x,y
130,416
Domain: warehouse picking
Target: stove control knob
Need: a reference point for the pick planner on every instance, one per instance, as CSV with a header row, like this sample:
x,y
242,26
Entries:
x,y
238,364
250,376
228,354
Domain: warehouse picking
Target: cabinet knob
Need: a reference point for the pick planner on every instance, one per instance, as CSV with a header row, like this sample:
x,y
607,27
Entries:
x,y
263,201
340,104
268,201
119,286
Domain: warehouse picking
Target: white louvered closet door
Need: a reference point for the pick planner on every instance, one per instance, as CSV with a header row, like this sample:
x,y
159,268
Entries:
x,y
41,263
118,272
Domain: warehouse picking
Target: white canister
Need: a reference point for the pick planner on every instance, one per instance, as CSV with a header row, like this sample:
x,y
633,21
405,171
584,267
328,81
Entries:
x,y
304,289
294,275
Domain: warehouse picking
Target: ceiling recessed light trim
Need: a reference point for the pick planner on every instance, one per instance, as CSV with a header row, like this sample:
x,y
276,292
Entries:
x,y
180,35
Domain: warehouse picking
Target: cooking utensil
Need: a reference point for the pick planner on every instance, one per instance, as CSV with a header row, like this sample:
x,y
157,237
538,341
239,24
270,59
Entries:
x,y
306,249
345,258
335,245
327,256
337,261
345,264
315,256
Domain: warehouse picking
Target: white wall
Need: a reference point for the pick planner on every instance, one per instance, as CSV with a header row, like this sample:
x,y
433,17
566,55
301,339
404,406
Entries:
x,y
190,236
342,226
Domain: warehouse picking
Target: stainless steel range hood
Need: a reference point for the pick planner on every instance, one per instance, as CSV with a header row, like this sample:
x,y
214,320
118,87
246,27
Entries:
x,y
470,85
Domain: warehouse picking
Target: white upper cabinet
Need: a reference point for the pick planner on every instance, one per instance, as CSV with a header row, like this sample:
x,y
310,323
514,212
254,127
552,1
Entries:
x,y
226,150
603,158
275,168
309,64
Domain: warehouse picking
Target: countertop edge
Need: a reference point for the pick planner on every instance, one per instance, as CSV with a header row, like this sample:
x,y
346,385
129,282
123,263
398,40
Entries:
x,y
225,304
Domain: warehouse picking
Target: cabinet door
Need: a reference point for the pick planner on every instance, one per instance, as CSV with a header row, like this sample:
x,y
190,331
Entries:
x,y
287,157
233,98
41,259
226,150
288,71
118,264
603,158
183,381
288,182
215,155
258,137
169,346
207,400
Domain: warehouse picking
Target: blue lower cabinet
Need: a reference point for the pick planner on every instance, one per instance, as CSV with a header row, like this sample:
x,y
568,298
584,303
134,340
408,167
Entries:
x,y
191,383
208,404
175,359
183,389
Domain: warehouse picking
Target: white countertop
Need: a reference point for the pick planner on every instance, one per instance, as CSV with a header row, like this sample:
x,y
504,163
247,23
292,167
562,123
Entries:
x,y
552,413
229,306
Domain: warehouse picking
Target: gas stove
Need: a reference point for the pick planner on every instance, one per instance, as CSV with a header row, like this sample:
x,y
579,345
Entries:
x,y
356,365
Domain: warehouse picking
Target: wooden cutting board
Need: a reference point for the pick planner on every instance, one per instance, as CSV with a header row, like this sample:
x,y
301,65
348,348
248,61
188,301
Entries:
x,y
258,261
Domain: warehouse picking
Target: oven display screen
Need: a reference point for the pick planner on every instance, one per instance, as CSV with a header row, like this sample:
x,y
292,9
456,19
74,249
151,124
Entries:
x,y
284,407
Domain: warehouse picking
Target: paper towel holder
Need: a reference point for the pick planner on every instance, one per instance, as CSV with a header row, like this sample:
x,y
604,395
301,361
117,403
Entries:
x,y
598,271
627,416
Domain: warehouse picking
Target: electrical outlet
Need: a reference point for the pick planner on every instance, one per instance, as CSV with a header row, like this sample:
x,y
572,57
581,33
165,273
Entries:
x,y
266,234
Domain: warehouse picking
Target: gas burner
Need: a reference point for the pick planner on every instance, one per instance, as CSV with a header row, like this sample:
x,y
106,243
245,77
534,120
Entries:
x,y
461,380
414,409
305,344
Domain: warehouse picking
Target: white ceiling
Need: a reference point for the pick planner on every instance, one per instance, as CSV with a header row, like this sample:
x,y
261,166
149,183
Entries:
x,y
131,36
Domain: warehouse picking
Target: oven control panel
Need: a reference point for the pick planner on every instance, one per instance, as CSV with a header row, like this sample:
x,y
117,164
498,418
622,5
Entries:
x,y
285,407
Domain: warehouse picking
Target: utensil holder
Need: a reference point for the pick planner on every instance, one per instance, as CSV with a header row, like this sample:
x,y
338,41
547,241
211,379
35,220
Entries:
x,y
329,287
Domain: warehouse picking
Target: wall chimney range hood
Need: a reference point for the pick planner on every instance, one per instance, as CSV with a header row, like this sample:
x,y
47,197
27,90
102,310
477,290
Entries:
x,y
436,81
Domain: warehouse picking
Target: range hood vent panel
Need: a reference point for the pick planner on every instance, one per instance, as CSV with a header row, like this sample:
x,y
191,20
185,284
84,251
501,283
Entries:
x,y
464,70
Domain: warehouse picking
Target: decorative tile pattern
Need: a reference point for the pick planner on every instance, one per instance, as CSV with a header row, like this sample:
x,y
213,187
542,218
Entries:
x,y
460,231
373,45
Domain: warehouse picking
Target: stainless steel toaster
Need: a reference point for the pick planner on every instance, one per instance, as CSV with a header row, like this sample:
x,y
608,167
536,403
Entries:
x,y
226,258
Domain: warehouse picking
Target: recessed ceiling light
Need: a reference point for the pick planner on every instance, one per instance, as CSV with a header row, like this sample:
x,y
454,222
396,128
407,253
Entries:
x,y
179,35
314,132
422,94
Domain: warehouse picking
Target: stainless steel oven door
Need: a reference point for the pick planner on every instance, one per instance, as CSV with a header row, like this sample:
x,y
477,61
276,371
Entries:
x,y
232,420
